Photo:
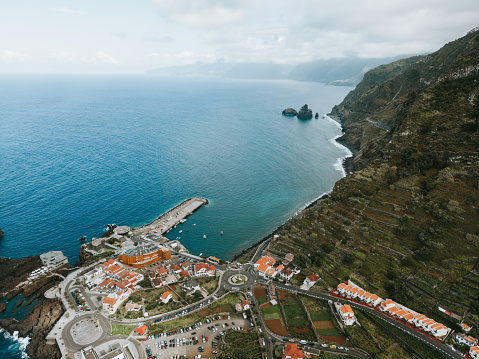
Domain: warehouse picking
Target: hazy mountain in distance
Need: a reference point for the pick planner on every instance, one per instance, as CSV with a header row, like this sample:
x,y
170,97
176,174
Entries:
x,y
347,71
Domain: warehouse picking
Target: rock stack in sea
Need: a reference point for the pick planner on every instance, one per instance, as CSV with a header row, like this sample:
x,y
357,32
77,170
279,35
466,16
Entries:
x,y
290,112
305,113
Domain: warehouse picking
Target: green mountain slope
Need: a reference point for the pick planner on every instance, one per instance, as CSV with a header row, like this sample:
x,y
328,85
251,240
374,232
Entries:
x,y
405,224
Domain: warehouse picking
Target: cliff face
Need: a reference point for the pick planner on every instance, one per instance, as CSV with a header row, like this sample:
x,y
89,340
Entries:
x,y
405,224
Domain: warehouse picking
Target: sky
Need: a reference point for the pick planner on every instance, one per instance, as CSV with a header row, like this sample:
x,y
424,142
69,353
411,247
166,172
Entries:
x,y
133,36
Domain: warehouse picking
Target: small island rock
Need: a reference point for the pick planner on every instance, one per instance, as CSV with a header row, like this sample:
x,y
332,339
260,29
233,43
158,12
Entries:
x,y
305,113
317,115
1,233
290,112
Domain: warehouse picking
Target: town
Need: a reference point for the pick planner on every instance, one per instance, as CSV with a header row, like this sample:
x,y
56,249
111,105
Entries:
x,y
148,297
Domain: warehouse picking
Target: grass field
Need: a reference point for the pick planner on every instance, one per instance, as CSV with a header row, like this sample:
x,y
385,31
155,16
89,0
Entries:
x,y
117,329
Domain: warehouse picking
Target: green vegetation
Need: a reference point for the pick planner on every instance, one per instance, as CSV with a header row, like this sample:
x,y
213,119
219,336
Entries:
x,y
241,346
117,329
404,224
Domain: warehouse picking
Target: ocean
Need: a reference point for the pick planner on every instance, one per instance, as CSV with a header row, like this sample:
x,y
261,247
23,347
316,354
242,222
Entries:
x,y
78,152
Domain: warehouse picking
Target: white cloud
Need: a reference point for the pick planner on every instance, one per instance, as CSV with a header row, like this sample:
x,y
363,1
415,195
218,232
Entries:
x,y
64,57
206,14
176,59
65,9
101,57
12,57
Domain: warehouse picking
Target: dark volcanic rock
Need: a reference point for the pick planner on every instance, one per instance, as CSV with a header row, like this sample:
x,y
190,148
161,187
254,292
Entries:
x,y
37,325
317,115
305,113
1,233
3,306
290,112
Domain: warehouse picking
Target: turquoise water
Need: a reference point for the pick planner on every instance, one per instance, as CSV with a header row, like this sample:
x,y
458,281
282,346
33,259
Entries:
x,y
11,348
78,152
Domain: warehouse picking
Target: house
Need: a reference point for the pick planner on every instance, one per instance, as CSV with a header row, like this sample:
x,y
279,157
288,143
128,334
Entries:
x,y
288,258
341,288
266,260
280,268
114,269
291,351
464,339
465,327
311,280
286,273
387,304
107,283
161,272
185,265
141,330
245,305
418,319
366,297
204,269
346,313
113,301
157,283
123,285
96,243
191,286
427,324
265,270
214,259
184,274
165,297
130,306
175,268
375,300
474,352
439,330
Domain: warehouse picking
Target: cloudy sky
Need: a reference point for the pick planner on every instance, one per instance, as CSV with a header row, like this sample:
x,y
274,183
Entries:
x,y
132,36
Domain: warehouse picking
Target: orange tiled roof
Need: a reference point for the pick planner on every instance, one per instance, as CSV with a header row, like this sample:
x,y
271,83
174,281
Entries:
x,y
341,285
165,295
110,301
291,351
141,330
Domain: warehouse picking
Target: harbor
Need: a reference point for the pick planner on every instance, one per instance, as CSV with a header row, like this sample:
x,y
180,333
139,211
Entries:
x,y
165,222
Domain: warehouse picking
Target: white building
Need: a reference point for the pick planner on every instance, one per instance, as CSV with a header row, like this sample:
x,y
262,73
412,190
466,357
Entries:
x,y
474,352
165,297
346,313
53,259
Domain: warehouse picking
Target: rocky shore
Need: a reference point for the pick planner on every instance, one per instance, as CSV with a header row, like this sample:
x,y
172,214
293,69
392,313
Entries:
x,y
39,322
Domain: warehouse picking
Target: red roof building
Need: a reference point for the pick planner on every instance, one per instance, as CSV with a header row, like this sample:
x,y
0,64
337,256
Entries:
x,y
291,351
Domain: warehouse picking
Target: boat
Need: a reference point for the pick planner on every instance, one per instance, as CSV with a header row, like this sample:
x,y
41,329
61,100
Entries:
x,y
178,238
221,233
180,231
182,220
204,235
194,224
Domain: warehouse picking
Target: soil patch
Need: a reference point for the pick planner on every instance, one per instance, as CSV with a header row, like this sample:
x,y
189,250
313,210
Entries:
x,y
335,339
259,291
302,330
323,325
283,295
276,327
264,306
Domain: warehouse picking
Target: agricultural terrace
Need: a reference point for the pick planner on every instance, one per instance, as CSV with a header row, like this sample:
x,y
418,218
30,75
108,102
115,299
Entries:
x,y
274,319
241,345
296,319
260,294
323,320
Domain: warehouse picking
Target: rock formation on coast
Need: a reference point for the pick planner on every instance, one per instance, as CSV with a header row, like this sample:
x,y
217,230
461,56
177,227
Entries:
x,y
38,323
305,113
290,112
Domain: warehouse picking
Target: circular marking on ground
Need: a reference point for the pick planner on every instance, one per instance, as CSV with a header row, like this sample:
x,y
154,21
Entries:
x,y
86,331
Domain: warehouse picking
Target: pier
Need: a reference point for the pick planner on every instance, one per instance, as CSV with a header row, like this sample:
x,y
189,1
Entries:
x,y
170,219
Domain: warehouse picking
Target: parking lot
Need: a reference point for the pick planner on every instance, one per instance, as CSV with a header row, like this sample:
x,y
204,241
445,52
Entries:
x,y
188,341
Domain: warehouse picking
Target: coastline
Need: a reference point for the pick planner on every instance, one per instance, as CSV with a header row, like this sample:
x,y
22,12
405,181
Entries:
x,y
347,167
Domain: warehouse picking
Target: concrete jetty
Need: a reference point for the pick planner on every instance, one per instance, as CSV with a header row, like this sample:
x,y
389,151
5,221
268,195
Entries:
x,y
168,220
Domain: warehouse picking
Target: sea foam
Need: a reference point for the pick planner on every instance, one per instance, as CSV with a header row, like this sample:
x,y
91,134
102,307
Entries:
x,y
12,347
